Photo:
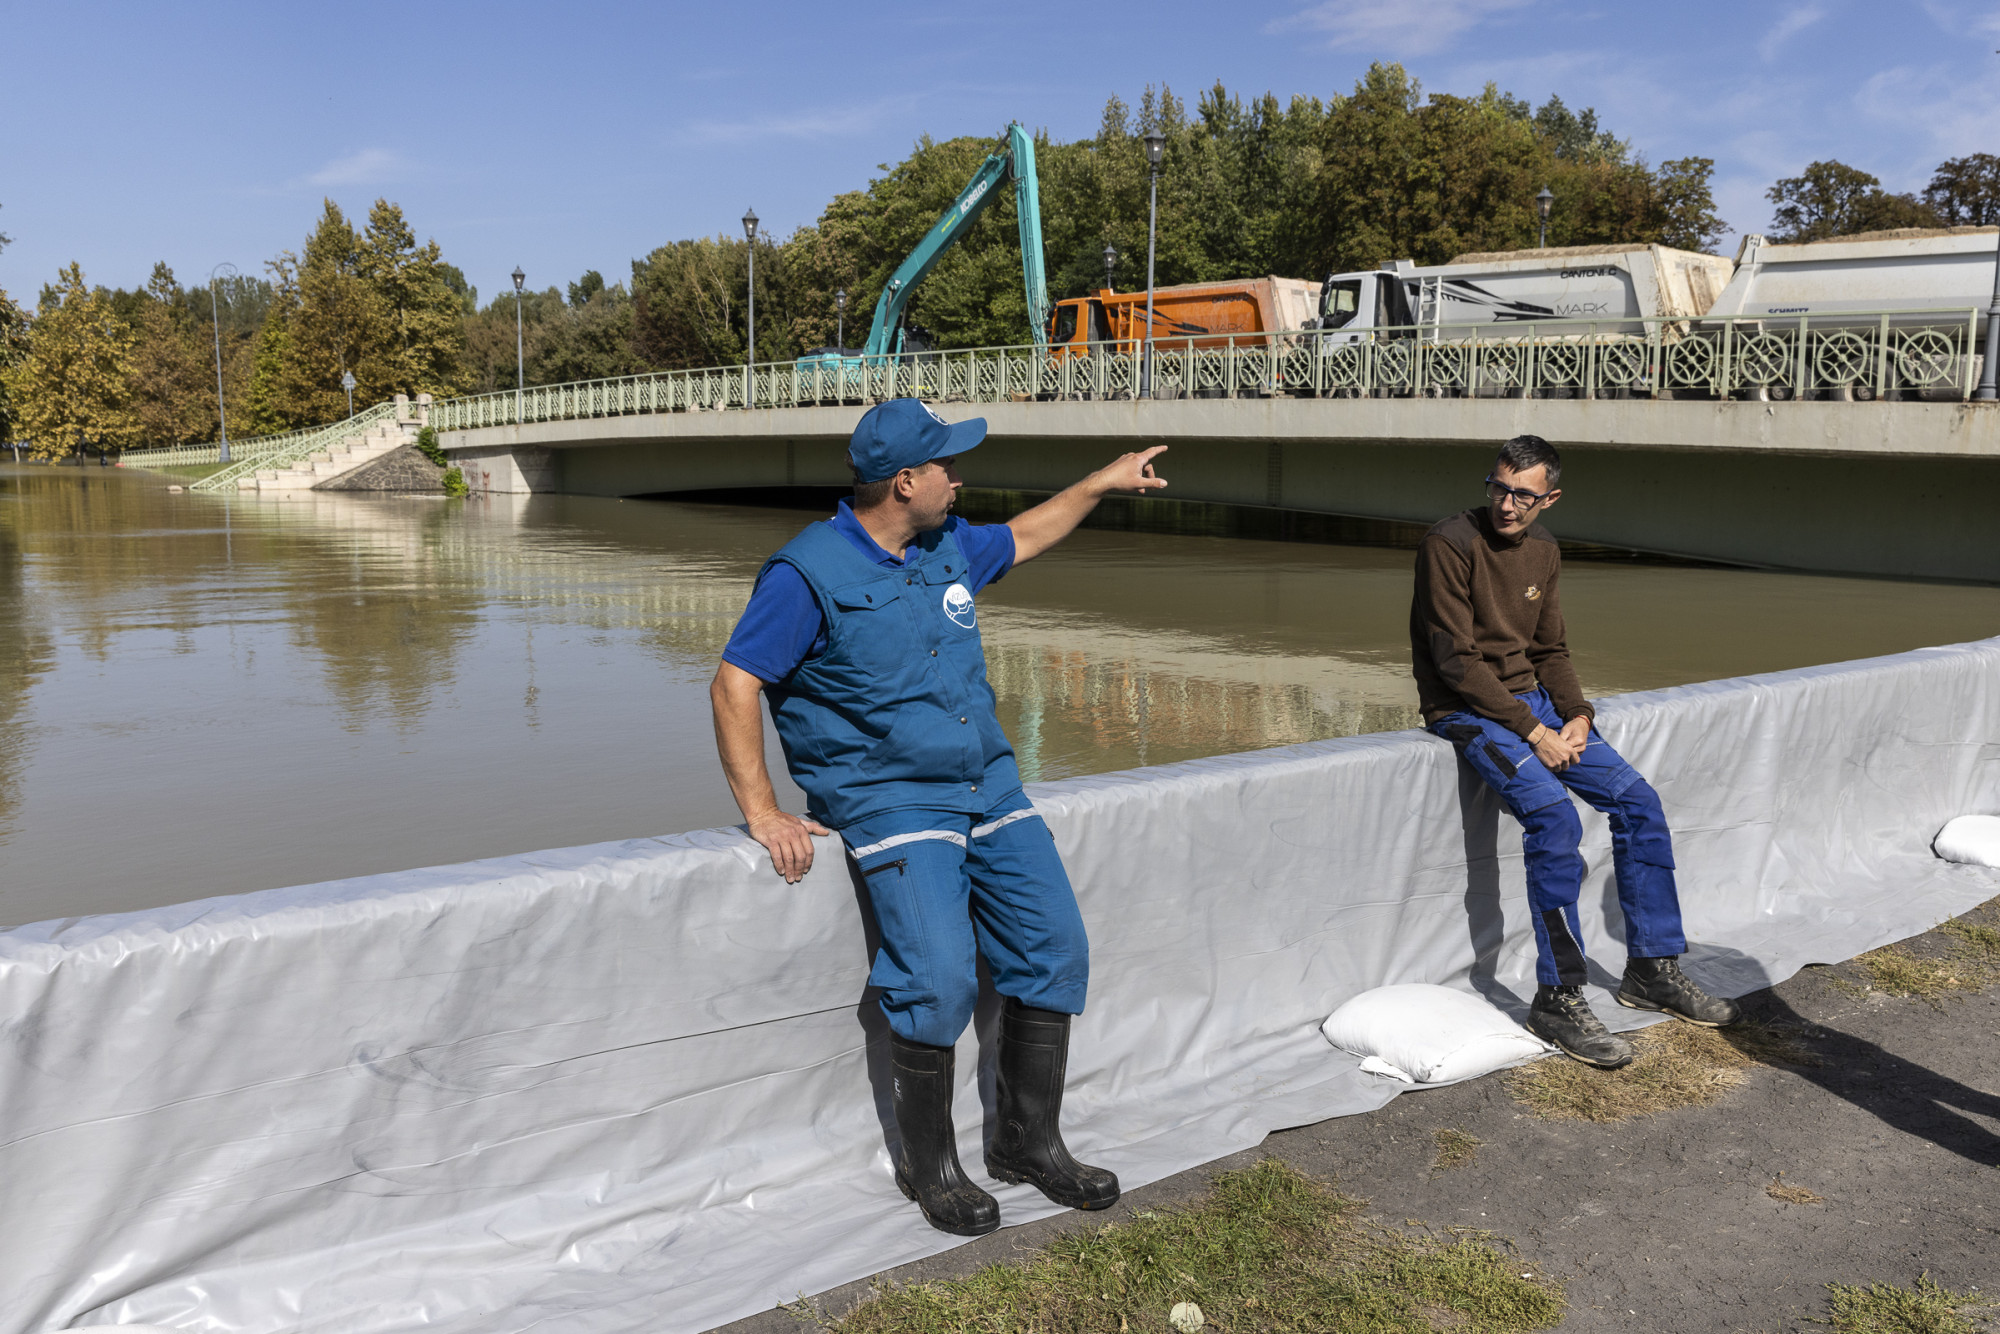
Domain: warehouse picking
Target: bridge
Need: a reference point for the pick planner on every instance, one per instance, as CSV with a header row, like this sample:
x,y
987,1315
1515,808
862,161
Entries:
x,y
1852,447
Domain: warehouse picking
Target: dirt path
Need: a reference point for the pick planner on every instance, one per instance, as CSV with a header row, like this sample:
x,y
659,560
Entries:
x,y
1665,1222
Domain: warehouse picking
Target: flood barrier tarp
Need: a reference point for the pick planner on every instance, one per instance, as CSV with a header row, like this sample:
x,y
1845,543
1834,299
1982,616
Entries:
x,y
639,1086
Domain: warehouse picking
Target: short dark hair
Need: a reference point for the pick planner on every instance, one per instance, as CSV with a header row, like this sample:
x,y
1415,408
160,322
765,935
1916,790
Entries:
x,y
1525,453
867,495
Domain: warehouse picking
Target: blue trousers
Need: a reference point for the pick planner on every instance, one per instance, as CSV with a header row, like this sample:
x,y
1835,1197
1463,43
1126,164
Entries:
x,y
949,889
1642,848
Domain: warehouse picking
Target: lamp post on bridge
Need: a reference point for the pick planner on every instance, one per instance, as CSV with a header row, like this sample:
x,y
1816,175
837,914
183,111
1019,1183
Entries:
x,y
520,362
1156,148
1110,263
1988,390
347,383
750,361
1543,203
840,319
215,311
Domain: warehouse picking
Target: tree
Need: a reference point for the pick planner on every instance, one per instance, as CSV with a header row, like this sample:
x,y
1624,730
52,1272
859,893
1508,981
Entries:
x,y
412,288
1688,202
1831,198
13,347
1965,191
70,389
170,376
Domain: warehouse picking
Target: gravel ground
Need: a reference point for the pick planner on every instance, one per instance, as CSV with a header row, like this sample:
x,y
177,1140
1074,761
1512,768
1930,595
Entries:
x,y
1665,1222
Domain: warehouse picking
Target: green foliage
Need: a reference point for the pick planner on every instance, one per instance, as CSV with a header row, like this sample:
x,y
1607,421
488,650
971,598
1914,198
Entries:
x,y
1269,1249
454,482
1965,191
427,445
13,347
70,389
1833,199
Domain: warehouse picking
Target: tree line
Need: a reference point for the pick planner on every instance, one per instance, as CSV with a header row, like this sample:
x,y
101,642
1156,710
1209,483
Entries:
x,y
1247,187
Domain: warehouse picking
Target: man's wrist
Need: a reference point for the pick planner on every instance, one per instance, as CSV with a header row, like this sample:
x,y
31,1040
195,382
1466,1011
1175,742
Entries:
x,y
1534,738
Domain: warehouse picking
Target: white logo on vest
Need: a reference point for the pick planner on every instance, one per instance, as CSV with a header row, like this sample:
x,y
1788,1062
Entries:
x,y
958,606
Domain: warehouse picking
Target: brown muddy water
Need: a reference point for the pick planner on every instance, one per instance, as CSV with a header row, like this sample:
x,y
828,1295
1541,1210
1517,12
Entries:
x,y
204,695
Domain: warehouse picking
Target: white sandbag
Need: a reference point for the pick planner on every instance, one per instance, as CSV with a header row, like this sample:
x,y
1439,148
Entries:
x,y
121,1329
1421,1033
1974,839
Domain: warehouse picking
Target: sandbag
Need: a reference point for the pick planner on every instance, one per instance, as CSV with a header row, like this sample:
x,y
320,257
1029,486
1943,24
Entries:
x,y
1973,839
1422,1033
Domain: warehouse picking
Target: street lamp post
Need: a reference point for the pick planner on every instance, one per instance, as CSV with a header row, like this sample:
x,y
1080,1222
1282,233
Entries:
x,y
1156,148
347,383
840,319
750,361
1988,390
1110,263
1543,203
215,311
520,362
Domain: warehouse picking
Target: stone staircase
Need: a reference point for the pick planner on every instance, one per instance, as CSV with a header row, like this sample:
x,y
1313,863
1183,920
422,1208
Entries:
x,y
345,454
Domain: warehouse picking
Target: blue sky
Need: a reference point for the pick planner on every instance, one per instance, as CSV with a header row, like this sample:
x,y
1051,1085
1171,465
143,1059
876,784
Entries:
x,y
578,136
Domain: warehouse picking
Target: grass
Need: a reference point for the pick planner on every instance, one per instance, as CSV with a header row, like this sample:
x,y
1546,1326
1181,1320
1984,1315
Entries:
x,y
1884,1308
1270,1249
192,471
1455,1149
1676,1065
1969,963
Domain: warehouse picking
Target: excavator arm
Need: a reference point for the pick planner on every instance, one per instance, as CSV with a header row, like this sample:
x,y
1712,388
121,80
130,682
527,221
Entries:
x,y
1015,162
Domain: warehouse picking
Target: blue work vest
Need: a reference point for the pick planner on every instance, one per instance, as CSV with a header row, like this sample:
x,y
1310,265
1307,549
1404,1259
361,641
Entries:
x,y
896,711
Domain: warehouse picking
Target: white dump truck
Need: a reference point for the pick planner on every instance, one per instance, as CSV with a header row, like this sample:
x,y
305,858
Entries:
x,y
1621,285
1928,272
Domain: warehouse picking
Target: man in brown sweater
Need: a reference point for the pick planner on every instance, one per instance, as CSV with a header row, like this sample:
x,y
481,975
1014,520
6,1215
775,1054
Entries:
x,y
1488,649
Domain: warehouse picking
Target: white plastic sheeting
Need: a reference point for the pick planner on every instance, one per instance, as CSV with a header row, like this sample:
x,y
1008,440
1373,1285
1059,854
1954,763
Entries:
x,y
630,1087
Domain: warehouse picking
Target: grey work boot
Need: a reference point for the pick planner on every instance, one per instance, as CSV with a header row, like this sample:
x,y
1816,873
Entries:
x,y
1561,1015
1659,984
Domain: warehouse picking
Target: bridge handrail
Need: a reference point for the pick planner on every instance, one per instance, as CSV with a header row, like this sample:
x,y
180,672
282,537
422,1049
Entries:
x,y
1855,354
282,451
1928,353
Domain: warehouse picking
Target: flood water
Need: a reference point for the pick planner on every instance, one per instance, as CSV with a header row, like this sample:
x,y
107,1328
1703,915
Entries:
x,y
203,695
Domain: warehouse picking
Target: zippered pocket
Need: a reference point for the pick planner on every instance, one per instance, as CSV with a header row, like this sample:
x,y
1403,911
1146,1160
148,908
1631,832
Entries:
x,y
900,865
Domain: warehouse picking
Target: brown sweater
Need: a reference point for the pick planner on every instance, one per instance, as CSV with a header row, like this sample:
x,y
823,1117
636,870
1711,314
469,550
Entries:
x,y
1486,624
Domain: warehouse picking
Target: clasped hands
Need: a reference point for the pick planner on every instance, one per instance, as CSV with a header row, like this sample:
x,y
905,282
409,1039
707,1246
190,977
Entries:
x,y
1559,750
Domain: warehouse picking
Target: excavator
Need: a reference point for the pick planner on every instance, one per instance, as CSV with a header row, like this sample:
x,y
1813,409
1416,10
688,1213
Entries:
x,y
889,336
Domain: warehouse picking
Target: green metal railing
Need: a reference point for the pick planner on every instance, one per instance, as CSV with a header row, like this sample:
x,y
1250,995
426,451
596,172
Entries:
x,y
1862,355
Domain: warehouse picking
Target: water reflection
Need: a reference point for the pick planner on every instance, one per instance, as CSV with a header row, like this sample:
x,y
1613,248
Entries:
x,y
202,695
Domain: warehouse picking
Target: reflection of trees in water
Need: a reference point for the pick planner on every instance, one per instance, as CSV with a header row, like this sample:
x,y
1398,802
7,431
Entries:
x,y
26,651
1072,711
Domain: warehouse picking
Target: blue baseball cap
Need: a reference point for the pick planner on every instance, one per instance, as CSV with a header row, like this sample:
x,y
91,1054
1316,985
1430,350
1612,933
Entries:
x,y
905,433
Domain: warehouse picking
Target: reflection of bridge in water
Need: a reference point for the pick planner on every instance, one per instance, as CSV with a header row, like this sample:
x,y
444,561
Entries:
x,y
1079,693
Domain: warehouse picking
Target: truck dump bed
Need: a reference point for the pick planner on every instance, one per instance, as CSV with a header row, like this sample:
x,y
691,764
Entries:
x,y
1945,270
1188,314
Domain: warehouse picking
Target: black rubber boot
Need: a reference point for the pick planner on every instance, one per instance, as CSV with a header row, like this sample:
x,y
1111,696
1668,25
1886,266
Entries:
x,y
1561,1015
1028,1145
927,1162
1659,984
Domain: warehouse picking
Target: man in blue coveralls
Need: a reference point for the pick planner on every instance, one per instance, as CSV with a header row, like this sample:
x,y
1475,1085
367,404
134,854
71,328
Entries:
x,y
1491,656
862,634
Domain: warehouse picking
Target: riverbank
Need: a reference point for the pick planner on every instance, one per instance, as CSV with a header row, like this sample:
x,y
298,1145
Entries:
x,y
1889,1150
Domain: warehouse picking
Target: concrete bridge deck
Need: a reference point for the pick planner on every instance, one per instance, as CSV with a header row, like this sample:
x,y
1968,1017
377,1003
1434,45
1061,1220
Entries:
x,y
1889,488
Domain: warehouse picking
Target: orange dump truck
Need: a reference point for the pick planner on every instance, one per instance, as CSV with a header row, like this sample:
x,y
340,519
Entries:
x,y
1192,314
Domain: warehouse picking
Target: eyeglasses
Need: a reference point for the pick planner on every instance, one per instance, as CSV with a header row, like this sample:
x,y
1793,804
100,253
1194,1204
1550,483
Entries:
x,y
1497,492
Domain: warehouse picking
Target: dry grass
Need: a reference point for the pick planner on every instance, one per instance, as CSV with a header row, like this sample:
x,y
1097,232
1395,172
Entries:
x,y
1970,962
1270,1249
1455,1149
1677,1065
1884,1308
1778,1190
